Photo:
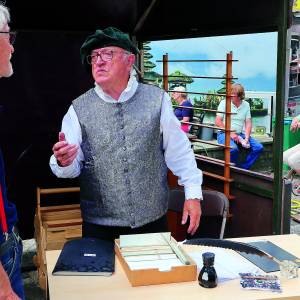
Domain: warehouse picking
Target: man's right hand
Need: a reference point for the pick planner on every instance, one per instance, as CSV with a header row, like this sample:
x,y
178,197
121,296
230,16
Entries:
x,y
64,152
235,137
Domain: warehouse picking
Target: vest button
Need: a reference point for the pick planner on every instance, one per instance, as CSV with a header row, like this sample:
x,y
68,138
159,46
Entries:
x,y
122,126
124,159
124,148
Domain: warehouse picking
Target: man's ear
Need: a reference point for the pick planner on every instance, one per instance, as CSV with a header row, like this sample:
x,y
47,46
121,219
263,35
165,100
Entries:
x,y
131,59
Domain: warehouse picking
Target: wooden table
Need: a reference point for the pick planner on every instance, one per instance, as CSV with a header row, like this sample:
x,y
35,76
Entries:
x,y
117,287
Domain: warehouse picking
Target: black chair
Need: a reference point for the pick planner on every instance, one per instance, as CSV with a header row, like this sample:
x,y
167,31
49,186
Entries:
x,y
214,212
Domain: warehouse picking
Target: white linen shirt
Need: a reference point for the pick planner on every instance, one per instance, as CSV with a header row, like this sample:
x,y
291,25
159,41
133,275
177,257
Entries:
x,y
178,154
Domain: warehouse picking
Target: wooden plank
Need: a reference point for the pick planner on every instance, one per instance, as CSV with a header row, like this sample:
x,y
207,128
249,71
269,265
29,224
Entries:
x,y
55,245
59,190
200,157
63,228
219,177
65,234
61,215
62,223
209,143
60,207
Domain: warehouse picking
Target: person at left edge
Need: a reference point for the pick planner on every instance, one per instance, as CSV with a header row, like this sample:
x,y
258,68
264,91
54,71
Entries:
x,y
11,285
120,137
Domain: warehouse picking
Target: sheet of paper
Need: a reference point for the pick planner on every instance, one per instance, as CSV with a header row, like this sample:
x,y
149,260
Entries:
x,y
147,252
161,264
228,263
147,239
150,257
145,248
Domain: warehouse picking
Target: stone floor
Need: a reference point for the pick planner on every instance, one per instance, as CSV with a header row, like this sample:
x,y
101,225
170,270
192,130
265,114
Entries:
x,y
29,273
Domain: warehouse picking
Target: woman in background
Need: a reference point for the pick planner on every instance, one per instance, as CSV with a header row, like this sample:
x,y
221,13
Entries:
x,y
183,114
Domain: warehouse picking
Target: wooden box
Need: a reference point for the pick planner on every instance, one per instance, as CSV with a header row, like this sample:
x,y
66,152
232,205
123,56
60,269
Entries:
x,y
155,276
54,225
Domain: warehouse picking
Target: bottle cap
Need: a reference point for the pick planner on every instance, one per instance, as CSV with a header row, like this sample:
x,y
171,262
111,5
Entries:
x,y
208,258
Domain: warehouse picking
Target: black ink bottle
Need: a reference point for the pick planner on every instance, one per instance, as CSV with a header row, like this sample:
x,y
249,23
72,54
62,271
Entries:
x,y
208,276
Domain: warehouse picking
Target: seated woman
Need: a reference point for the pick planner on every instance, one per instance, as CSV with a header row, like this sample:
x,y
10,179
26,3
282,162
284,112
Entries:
x,y
183,114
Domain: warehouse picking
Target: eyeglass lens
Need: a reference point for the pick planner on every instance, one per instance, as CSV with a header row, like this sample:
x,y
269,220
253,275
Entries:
x,y
104,56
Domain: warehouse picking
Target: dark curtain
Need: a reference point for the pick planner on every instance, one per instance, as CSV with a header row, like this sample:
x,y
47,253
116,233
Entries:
x,y
48,75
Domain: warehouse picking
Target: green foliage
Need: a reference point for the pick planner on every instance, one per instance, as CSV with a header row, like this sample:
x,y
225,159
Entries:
x,y
255,103
213,100
150,76
182,80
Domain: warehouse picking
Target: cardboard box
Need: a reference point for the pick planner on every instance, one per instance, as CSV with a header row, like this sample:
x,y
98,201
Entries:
x,y
155,276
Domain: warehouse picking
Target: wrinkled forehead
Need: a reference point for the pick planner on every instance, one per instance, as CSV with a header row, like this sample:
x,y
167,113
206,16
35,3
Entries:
x,y
109,48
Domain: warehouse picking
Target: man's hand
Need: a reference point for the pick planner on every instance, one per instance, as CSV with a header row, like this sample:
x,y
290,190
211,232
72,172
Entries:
x,y
64,152
295,124
235,137
191,208
6,292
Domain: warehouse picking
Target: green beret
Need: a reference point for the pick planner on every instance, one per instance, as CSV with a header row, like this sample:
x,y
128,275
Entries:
x,y
109,36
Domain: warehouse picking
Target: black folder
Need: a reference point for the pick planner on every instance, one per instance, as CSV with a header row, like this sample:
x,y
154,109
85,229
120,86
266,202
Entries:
x,y
265,263
86,256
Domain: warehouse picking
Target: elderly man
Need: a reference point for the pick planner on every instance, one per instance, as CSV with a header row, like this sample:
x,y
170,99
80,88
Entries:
x,y
120,137
11,286
241,119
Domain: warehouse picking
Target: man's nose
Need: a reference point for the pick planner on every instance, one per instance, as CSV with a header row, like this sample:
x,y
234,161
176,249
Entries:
x,y
12,49
99,60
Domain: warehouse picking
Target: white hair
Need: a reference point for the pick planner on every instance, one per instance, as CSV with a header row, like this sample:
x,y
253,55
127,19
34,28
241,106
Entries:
x,y
4,15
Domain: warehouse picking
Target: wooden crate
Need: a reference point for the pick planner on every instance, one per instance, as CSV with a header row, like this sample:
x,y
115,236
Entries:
x,y
54,225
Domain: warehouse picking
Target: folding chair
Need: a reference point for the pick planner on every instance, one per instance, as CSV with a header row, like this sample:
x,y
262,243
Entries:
x,y
214,213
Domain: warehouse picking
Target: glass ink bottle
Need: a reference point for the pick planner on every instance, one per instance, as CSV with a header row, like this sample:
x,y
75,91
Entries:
x,y
208,276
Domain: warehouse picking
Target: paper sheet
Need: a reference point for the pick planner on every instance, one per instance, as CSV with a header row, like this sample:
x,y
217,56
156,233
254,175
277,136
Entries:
x,y
228,263
147,239
161,264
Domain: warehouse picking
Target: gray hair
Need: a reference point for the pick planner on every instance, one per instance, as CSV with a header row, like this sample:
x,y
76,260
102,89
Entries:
x,y
4,15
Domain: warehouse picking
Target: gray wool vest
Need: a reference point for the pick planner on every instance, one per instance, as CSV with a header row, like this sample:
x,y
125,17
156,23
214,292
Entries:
x,y
124,177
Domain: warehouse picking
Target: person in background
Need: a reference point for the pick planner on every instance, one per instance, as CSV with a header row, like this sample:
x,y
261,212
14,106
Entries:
x,y
183,114
120,137
239,120
11,285
291,157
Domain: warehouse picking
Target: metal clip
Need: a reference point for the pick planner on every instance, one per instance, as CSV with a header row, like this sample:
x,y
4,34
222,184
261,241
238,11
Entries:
x,y
5,236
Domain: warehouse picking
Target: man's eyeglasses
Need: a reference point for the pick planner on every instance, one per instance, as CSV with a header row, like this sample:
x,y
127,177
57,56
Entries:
x,y
104,56
12,36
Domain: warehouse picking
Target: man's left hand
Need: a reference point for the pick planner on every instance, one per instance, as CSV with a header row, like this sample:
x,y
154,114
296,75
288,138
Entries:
x,y
192,208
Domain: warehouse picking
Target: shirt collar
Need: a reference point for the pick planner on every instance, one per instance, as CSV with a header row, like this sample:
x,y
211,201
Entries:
x,y
125,95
